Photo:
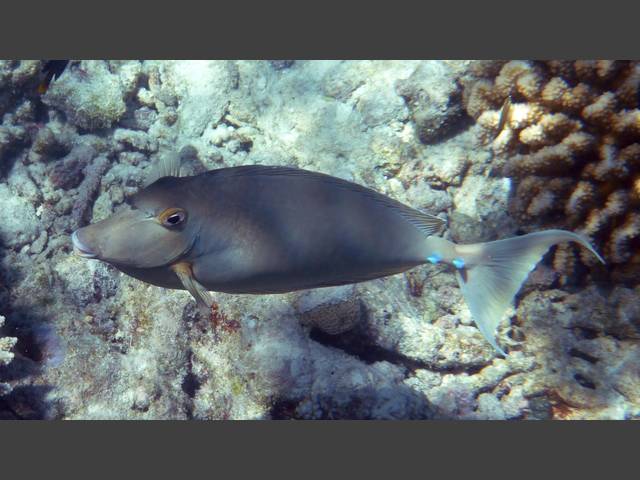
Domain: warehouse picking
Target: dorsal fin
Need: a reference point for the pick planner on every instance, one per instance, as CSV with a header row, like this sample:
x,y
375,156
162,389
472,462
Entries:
x,y
426,223
167,165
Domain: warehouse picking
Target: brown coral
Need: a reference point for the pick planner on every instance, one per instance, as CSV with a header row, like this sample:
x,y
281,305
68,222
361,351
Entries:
x,y
571,142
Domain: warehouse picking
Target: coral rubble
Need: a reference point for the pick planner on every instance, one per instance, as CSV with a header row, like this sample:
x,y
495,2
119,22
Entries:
x,y
6,344
91,98
572,143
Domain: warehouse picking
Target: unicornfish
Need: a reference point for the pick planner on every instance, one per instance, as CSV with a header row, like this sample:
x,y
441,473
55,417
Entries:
x,y
268,229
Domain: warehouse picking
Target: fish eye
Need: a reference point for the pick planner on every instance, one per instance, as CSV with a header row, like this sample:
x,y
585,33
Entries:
x,y
172,217
175,219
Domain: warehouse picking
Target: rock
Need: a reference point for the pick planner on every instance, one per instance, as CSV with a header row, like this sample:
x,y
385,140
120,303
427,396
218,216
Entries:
x,y
434,100
142,119
131,158
21,225
281,64
134,140
11,138
583,370
480,210
333,310
91,98
68,172
379,107
48,144
201,105
129,74
40,243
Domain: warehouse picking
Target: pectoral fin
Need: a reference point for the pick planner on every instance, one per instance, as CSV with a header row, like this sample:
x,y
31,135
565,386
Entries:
x,y
196,289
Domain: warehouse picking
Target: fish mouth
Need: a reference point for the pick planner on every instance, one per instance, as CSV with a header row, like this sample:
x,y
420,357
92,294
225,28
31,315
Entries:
x,y
80,248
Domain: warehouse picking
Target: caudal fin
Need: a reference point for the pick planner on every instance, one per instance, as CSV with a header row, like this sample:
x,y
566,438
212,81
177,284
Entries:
x,y
493,272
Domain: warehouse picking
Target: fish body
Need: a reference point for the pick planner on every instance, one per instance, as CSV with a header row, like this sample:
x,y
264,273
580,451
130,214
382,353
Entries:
x,y
259,229
262,229
52,69
505,115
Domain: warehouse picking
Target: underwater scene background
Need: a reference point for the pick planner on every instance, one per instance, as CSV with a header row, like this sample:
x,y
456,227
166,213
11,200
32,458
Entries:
x,y
497,148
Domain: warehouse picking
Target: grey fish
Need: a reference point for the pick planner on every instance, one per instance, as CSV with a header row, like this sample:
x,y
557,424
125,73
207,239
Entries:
x,y
261,229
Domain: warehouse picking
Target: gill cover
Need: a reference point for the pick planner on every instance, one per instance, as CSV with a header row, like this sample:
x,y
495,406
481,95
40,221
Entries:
x,y
153,232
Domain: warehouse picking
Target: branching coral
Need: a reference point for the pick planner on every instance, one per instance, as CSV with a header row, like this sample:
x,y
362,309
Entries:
x,y
88,189
571,140
6,344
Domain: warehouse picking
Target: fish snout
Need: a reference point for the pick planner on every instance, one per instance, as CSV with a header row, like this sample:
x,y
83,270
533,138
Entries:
x,y
81,248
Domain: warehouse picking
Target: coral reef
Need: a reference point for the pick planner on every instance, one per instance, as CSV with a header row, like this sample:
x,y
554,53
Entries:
x,y
91,97
6,344
94,343
436,113
572,143
21,227
88,190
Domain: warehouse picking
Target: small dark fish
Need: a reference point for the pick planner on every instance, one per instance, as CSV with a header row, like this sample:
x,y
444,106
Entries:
x,y
52,70
505,113
259,229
